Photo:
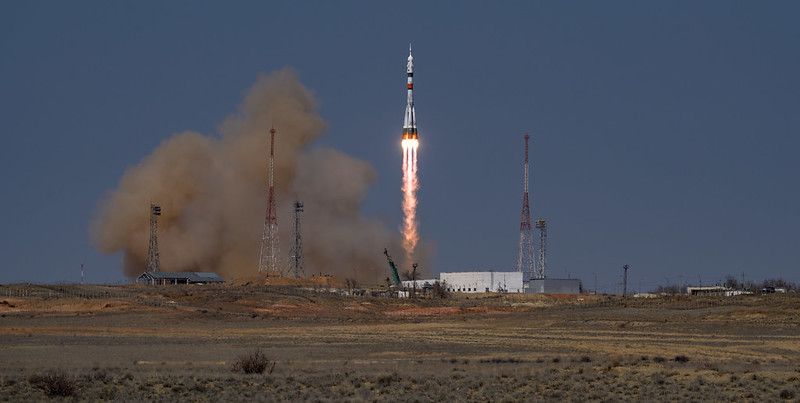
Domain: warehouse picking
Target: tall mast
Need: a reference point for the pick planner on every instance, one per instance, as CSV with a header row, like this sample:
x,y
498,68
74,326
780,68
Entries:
x,y
153,259
268,253
525,259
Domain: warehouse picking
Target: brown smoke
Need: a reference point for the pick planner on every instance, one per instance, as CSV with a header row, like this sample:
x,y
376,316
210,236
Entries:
x,y
212,191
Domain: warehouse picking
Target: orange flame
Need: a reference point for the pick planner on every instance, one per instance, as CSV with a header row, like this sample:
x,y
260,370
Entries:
x,y
410,233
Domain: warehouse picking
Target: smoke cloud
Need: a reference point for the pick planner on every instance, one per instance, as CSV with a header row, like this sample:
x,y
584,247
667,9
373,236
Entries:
x,y
213,194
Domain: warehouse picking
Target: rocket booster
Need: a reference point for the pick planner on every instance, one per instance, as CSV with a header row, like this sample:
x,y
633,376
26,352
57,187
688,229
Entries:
x,y
410,121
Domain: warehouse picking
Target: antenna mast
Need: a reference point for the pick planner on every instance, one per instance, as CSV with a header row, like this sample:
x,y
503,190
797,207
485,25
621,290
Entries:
x,y
525,259
297,248
541,268
268,253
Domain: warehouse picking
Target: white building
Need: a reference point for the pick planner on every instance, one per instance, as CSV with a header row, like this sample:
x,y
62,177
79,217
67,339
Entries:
x,y
419,283
716,290
483,281
554,286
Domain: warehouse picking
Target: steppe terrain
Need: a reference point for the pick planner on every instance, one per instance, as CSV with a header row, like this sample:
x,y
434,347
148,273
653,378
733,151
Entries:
x,y
182,343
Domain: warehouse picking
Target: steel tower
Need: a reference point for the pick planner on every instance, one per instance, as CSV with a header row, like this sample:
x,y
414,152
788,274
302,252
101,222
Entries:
x,y
153,261
268,253
541,267
525,259
297,248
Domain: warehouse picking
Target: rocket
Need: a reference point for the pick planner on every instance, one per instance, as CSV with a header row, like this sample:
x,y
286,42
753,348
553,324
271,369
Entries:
x,y
410,121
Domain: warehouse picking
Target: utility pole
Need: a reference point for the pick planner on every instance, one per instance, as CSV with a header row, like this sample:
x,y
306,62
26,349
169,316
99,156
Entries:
x,y
595,283
625,280
414,279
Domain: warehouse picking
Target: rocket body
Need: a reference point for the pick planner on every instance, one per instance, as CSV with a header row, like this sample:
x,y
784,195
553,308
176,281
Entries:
x,y
410,120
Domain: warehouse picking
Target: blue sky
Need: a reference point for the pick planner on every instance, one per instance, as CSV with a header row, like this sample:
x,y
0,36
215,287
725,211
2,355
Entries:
x,y
665,134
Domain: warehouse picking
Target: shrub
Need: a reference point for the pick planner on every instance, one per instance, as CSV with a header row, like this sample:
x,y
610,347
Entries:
x,y
386,380
500,360
586,358
681,358
787,394
56,383
439,290
253,363
101,375
659,359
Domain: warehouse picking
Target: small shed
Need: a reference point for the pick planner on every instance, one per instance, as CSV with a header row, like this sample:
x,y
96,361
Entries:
x,y
185,277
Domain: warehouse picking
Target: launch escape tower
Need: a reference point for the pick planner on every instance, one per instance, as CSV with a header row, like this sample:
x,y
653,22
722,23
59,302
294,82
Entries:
x,y
268,253
297,248
153,263
541,267
525,258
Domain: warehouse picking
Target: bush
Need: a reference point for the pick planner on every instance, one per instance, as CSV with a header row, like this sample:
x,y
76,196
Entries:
x,y
253,363
56,383
386,380
439,290
681,358
787,394
586,358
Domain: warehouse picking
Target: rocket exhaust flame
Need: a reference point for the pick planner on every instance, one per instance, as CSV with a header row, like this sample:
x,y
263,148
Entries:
x,y
410,233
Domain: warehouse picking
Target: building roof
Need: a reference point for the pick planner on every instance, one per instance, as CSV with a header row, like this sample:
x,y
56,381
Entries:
x,y
191,276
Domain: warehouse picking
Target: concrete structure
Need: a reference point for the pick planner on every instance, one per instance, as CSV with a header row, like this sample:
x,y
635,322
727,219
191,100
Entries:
x,y
420,284
483,281
554,286
189,277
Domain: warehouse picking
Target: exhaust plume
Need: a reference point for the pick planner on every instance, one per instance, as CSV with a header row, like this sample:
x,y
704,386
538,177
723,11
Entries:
x,y
212,191
410,183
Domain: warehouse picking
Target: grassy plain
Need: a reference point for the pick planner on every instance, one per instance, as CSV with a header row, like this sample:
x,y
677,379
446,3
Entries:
x,y
181,343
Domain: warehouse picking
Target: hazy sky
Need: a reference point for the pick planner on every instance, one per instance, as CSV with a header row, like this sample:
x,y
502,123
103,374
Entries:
x,y
665,134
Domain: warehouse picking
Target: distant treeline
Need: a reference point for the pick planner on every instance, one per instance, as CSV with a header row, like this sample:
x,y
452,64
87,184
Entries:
x,y
733,283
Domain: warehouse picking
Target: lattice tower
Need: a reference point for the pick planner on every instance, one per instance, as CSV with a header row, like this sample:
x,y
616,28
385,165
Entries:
x,y
525,257
153,260
541,266
268,253
297,248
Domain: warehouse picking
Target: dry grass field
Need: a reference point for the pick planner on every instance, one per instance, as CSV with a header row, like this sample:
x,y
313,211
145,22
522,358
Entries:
x,y
184,343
